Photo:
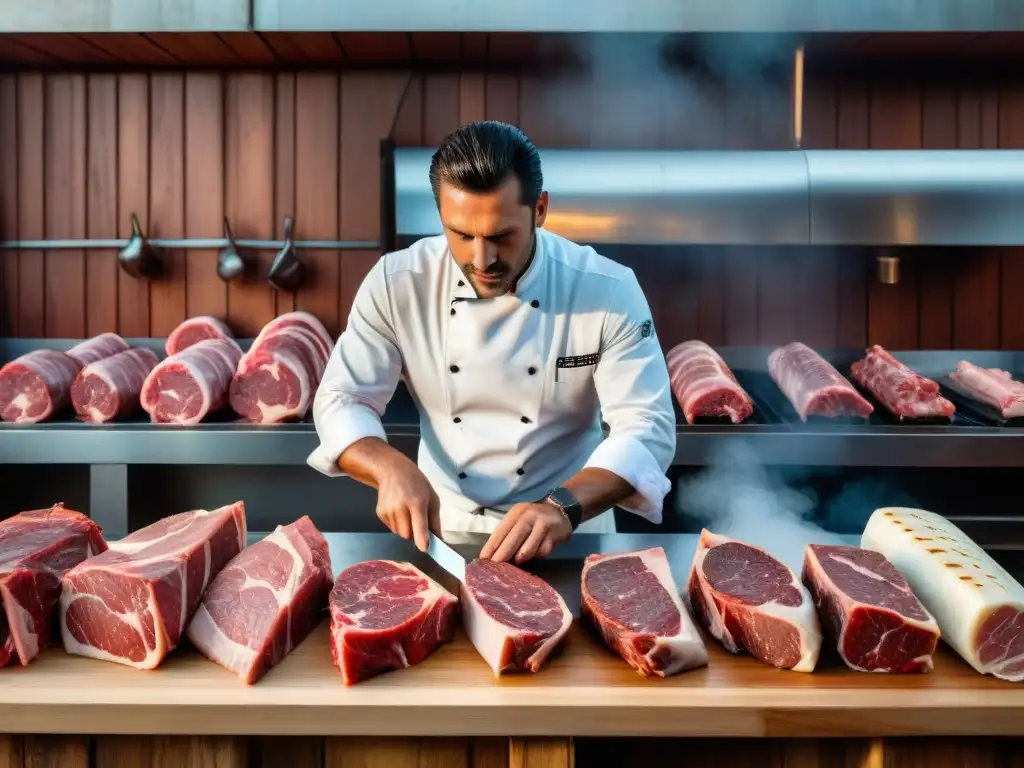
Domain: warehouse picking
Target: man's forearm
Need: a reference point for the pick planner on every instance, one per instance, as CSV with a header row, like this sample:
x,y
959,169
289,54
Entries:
x,y
369,459
597,490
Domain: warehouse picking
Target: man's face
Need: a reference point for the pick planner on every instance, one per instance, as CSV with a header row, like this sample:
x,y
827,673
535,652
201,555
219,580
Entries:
x,y
490,234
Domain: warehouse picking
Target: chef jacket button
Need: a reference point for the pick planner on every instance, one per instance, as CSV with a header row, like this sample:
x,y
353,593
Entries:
x,y
457,420
462,475
534,303
453,311
525,419
461,283
453,368
520,471
531,370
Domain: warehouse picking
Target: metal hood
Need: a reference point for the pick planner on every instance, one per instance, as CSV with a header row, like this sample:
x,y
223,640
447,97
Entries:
x,y
840,197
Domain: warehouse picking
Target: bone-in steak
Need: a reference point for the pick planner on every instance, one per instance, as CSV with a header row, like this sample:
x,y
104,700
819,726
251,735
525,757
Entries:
x,y
266,601
749,600
513,618
387,615
36,549
869,610
633,603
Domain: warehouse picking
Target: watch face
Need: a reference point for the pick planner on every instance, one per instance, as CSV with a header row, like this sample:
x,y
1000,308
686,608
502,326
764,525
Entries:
x,y
564,498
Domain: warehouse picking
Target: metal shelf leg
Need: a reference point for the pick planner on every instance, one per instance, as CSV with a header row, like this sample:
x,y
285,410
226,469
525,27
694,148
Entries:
x,y
108,498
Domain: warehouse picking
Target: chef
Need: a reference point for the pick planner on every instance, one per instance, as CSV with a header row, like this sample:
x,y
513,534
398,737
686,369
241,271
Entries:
x,y
515,344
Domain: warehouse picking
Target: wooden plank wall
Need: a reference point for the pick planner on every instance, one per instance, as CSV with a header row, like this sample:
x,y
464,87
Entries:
x,y
79,152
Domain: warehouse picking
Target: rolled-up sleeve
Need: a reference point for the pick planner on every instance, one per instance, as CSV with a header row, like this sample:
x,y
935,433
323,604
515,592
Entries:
x,y
360,378
636,402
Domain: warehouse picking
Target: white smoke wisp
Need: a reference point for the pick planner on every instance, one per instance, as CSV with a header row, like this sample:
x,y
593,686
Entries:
x,y
736,496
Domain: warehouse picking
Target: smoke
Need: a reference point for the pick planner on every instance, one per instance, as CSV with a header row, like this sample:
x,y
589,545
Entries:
x,y
736,496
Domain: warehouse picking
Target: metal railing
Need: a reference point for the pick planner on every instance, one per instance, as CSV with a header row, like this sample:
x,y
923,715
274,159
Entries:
x,y
182,243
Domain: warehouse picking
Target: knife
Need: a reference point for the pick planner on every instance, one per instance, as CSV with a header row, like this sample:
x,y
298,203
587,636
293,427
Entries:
x,y
447,557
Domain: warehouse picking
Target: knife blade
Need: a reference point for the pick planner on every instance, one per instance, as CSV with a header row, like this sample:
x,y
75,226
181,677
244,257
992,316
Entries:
x,y
446,557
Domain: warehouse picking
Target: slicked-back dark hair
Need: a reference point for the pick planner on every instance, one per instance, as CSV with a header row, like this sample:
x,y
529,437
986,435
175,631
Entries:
x,y
480,156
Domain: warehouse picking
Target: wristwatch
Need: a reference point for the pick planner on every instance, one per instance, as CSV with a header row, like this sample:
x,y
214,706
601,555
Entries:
x,y
564,499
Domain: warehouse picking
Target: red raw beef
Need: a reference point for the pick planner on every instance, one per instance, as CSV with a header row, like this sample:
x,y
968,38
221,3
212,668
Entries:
x,y
632,601
869,610
266,601
278,377
304,320
387,615
97,348
185,387
513,618
131,604
747,599
992,386
36,385
813,385
110,388
36,549
193,330
904,392
704,386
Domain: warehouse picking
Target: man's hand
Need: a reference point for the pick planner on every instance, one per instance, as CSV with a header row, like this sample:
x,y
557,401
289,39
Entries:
x,y
408,505
528,530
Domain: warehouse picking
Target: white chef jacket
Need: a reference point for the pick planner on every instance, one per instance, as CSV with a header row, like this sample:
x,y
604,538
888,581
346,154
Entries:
x,y
511,391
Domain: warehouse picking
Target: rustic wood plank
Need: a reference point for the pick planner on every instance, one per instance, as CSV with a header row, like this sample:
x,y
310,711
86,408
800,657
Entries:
x,y
940,753
556,113
12,751
9,203
123,752
31,203
197,49
472,96
284,168
488,752
375,46
101,271
502,98
396,753
408,125
293,752
249,47
711,280
205,293
131,48
820,129
249,193
200,752
441,107
132,194
56,751
1011,136
167,296
316,191
671,281
541,753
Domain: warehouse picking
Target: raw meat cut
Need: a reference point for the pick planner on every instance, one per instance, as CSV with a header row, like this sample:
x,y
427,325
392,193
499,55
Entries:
x,y
185,387
131,604
704,385
109,388
978,605
278,377
266,601
749,600
193,330
633,603
303,320
813,385
387,615
991,386
869,611
97,348
36,385
514,619
904,392
36,549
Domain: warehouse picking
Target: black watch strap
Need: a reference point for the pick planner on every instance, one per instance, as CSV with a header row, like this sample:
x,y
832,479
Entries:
x,y
564,499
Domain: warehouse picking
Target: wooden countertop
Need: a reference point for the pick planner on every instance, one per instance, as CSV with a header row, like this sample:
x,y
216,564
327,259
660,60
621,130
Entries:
x,y
584,691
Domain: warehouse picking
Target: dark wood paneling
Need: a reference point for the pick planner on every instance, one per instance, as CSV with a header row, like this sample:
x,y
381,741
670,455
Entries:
x,y
9,201
101,271
132,195
31,203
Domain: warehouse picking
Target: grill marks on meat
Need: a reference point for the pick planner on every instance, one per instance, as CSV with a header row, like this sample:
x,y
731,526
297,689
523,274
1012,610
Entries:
x,y
97,348
265,602
387,615
36,549
813,385
869,610
513,618
632,602
36,385
704,386
131,604
194,330
749,600
110,388
185,387
903,391
992,386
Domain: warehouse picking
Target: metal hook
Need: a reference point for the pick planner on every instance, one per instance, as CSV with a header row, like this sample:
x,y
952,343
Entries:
x,y
287,270
230,264
138,258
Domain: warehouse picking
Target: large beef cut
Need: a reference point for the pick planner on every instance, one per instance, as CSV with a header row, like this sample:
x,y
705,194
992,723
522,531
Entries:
x,y
979,606
110,388
194,330
278,377
813,385
97,348
266,601
300,320
704,386
905,393
749,600
387,615
131,604
36,385
869,610
992,386
513,618
632,601
185,387
36,549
